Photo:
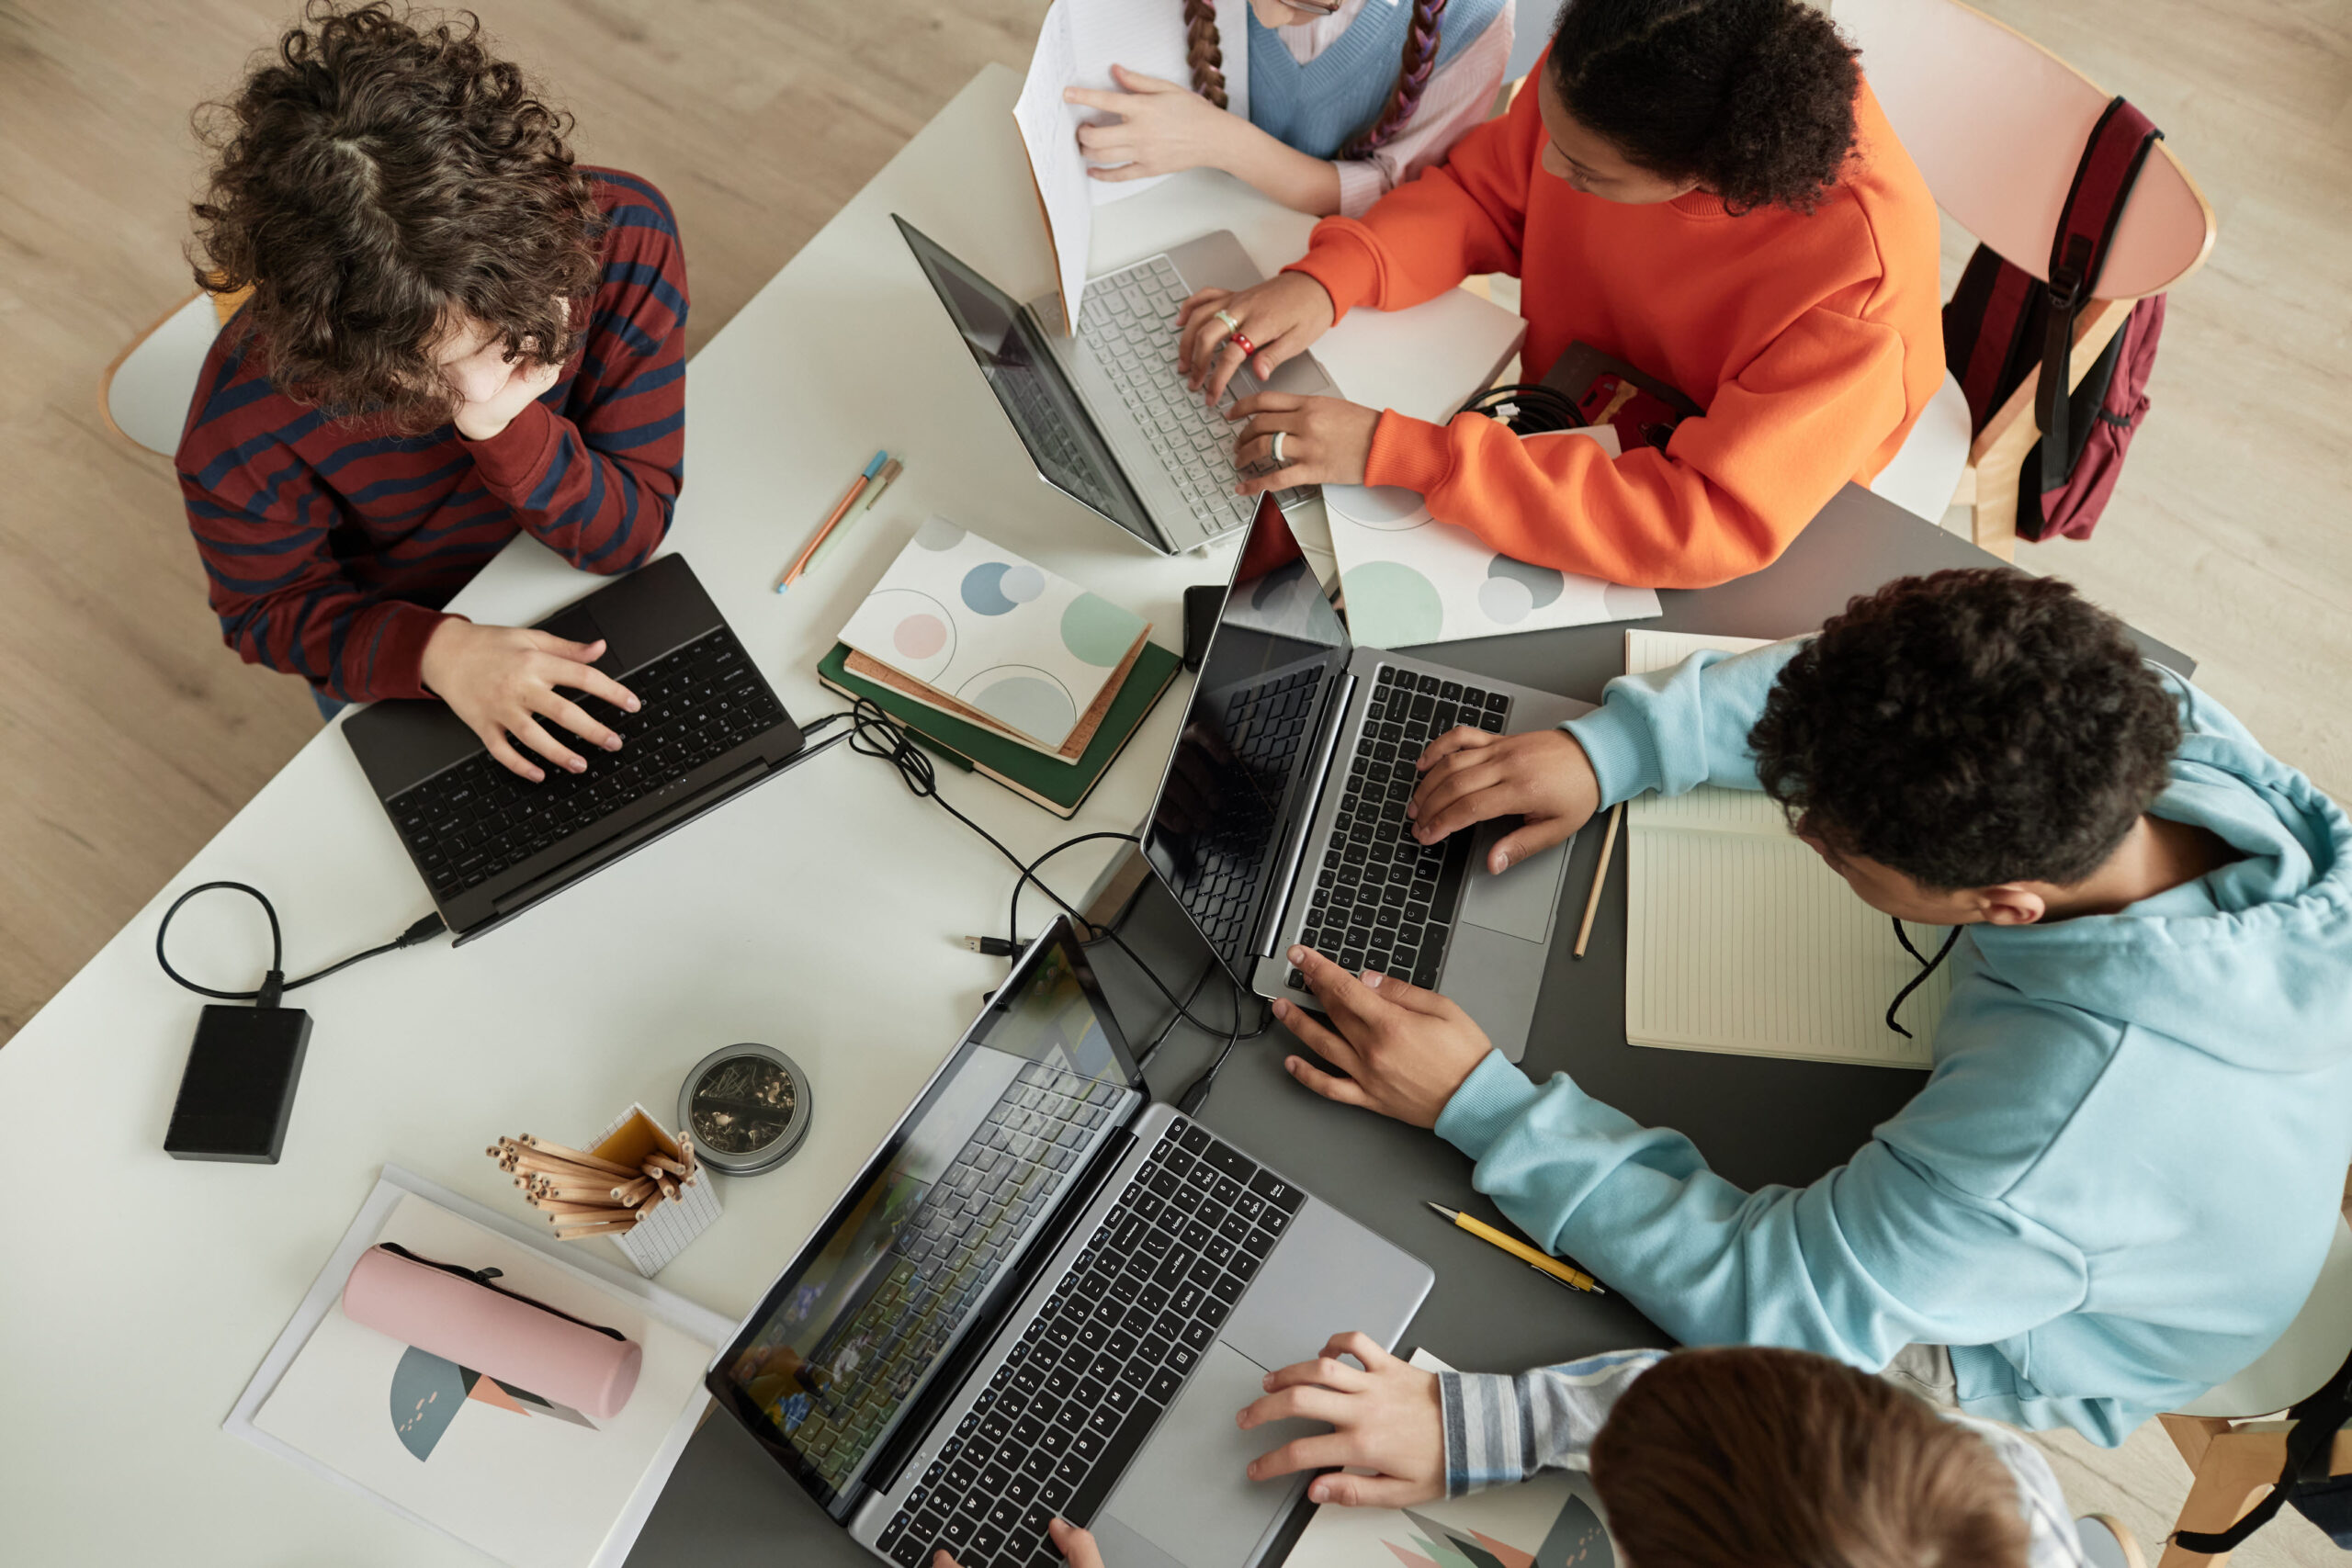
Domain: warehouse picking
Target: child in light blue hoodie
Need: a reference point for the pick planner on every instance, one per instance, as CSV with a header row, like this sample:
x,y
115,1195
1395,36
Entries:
x,y
2118,1184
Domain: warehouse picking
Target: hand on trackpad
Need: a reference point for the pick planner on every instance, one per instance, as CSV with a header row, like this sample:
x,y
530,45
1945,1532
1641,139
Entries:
x,y
1188,1499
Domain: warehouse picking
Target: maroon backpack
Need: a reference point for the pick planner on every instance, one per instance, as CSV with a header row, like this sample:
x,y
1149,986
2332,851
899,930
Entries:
x,y
2002,322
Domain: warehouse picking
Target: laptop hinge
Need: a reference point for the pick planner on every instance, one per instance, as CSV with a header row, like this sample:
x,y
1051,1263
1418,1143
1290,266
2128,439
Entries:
x,y
1303,824
882,1473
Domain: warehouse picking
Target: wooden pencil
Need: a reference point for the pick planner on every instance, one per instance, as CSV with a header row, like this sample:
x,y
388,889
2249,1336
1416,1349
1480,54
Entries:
x,y
1600,877
577,1156
664,1163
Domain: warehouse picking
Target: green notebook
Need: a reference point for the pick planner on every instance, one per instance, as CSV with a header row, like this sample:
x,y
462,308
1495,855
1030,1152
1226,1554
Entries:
x,y
1060,787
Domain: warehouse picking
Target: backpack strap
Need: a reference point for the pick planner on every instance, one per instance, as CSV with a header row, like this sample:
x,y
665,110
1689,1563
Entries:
x,y
2119,144
2310,1442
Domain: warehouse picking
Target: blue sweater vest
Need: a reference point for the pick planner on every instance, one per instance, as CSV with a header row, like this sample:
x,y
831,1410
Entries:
x,y
1316,107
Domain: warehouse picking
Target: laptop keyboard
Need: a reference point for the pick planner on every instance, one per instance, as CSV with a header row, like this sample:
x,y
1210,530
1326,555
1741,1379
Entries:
x,y
947,1253
1072,1404
1129,321
471,821
1383,900
1261,725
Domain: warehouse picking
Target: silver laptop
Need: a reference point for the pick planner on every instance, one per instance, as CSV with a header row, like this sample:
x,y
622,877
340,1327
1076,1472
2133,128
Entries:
x,y
1281,818
1044,1295
1107,419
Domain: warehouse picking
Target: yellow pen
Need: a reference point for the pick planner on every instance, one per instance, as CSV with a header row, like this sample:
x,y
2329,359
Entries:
x,y
1575,1278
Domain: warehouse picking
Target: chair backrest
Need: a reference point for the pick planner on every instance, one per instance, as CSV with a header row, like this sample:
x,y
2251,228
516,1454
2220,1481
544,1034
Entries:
x,y
1997,123
145,393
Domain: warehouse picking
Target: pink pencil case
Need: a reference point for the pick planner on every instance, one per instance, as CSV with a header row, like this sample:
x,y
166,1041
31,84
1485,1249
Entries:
x,y
457,1315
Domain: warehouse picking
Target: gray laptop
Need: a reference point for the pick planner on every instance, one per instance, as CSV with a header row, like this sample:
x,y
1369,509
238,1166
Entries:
x,y
1281,818
1044,1295
1105,416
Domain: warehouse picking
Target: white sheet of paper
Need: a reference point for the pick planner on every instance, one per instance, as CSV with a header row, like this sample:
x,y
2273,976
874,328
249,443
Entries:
x,y
1412,579
1049,134
1553,1521
1147,38
322,1396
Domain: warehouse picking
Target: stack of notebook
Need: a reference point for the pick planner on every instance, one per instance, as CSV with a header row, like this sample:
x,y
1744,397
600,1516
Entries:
x,y
1008,669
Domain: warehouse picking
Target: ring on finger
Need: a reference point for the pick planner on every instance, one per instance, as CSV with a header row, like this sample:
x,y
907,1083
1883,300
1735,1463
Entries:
x,y
1275,451
1240,340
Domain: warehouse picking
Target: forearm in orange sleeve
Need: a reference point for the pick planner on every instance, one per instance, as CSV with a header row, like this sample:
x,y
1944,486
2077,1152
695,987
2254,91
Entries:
x,y
1462,217
1733,488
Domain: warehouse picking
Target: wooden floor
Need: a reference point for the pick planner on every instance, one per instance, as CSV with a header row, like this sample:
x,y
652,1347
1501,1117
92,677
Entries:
x,y
128,734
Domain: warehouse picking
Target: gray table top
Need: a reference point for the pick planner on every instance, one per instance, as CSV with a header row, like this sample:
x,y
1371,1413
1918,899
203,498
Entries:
x,y
1757,1120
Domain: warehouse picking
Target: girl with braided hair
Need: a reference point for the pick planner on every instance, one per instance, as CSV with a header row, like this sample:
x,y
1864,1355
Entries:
x,y
1348,98
1703,189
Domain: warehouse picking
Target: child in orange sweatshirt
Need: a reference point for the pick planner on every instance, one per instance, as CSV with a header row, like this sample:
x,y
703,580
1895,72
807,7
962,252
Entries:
x,y
1705,190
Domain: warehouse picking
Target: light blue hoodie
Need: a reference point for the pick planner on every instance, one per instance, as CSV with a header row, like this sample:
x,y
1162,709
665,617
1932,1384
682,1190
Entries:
x,y
2118,1184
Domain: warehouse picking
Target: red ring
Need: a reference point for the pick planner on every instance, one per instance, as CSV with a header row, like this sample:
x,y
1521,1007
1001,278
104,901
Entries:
x,y
1248,349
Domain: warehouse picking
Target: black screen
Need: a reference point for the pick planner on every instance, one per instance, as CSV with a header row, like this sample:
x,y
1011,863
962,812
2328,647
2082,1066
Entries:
x,y
1019,368
850,1333
1243,758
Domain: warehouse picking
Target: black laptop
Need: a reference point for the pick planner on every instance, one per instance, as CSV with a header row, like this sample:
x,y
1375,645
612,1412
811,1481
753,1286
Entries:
x,y
490,843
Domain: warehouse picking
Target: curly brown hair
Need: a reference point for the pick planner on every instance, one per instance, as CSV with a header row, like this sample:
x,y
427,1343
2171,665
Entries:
x,y
377,179
1752,98
1970,728
1746,1456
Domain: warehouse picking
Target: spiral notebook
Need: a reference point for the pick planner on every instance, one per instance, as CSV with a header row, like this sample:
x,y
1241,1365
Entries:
x,y
1738,939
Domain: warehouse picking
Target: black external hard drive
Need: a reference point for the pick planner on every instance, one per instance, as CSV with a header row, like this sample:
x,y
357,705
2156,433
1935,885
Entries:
x,y
238,1092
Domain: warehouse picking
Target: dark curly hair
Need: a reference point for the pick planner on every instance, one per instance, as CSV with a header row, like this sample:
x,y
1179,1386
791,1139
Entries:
x,y
375,178
1747,1457
1752,98
1969,728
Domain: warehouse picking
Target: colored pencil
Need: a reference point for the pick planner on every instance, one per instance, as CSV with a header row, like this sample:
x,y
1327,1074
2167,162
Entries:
x,y
799,566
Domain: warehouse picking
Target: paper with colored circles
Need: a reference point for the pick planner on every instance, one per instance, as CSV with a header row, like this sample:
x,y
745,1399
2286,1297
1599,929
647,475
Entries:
x,y
1411,580
974,622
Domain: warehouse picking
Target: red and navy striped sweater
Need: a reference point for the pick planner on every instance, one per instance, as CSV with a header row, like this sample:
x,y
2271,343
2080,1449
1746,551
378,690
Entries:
x,y
332,546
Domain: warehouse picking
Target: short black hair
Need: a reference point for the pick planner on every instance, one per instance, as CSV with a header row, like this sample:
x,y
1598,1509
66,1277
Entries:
x,y
1970,728
1752,98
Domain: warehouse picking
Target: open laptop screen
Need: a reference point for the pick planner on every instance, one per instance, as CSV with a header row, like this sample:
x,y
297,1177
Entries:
x,y
1244,758
1037,397
850,1335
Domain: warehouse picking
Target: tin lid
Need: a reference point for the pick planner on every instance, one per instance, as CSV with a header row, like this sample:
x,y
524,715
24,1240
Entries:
x,y
747,1107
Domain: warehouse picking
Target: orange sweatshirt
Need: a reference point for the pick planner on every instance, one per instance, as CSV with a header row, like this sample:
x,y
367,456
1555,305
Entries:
x,y
1811,343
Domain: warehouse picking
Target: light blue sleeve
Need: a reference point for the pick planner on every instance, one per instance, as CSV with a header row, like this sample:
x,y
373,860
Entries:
x,y
1674,729
1881,1253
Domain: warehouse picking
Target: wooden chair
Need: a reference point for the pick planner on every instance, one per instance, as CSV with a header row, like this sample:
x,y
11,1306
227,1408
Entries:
x,y
143,395
2234,1452
1997,123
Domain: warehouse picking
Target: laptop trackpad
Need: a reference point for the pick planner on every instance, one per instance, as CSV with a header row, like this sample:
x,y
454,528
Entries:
x,y
1187,1498
1522,900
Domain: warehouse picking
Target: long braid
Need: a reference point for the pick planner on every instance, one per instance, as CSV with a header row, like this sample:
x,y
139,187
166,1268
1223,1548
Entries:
x,y
1412,79
1201,52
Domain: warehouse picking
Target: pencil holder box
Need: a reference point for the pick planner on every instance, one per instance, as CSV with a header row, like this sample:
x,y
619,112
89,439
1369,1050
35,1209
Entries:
x,y
461,1316
663,1234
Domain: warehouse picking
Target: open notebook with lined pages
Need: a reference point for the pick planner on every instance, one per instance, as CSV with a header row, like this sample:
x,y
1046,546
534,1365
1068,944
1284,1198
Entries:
x,y
1739,940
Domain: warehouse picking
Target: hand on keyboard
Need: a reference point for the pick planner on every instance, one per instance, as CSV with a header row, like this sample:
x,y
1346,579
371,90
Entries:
x,y
1469,777
1282,318
1405,1051
1384,1418
1325,441
503,680
1077,1546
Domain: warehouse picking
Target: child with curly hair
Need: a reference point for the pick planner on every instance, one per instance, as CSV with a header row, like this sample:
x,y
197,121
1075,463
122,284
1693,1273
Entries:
x,y
1348,98
1705,189
455,334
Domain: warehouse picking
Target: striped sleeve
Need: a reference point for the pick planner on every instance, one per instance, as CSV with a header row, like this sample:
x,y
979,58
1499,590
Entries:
x,y
260,517
1501,1429
596,480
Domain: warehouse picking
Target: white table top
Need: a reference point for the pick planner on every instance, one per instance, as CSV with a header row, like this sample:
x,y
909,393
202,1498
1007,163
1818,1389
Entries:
x,y
821,913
